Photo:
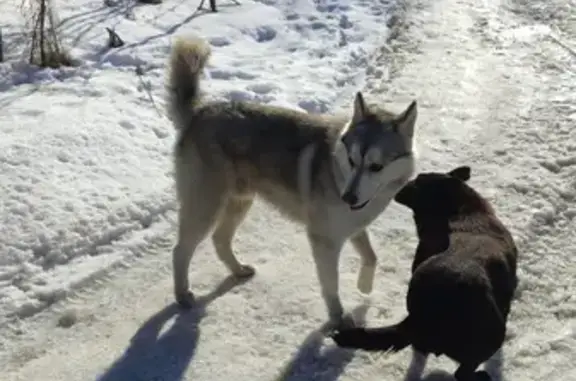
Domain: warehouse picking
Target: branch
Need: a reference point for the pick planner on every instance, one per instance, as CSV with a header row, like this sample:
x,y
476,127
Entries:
x,y
42,16
1,47
212,5
147,87
562,44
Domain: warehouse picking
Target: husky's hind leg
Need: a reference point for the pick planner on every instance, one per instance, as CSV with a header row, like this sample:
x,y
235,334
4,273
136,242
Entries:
x,y
232,216
198,212
361,243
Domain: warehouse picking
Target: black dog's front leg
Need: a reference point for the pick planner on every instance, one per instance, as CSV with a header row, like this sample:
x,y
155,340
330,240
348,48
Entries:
x,y
468,373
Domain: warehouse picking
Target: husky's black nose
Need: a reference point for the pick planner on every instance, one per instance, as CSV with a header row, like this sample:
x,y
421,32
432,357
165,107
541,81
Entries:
x,y
350,198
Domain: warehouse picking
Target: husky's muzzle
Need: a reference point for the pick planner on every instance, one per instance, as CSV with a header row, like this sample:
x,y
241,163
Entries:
x,y
351,200
350,196
358,207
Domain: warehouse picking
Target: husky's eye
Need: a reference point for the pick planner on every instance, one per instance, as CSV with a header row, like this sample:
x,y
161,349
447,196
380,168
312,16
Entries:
x,y
375,167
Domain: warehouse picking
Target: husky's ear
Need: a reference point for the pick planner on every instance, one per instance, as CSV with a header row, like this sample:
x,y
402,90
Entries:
x,y
461,173
406,121
359,108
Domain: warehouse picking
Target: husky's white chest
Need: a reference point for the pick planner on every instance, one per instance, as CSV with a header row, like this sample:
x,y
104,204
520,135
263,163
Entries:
x,y
365,216
342,221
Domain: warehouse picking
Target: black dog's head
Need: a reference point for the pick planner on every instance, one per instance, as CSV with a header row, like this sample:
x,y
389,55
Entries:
x,y
436,193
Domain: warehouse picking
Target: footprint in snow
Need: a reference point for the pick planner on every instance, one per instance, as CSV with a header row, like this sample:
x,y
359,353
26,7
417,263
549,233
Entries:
x,y
225,74
262,33
220,41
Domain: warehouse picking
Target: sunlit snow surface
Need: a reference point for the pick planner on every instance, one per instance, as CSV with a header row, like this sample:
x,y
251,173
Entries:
x,y
87,199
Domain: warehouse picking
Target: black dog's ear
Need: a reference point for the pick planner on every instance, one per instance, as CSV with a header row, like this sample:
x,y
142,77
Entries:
x,y
461,173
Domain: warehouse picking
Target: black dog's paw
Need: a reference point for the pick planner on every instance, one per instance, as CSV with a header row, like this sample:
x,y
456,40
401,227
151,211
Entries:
x,y
482,375
346,337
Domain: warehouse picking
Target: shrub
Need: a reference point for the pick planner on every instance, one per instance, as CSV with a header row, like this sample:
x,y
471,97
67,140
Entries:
x,y
44,47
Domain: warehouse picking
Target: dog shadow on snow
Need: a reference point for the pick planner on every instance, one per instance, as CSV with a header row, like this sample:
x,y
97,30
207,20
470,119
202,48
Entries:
x,y
313,361
156,355
414,373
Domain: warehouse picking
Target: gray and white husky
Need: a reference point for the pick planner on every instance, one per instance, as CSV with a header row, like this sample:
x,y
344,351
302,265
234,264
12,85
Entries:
x,y
333,174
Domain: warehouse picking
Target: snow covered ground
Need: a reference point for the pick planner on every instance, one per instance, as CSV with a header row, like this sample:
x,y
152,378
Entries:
x,y
85,154
87,200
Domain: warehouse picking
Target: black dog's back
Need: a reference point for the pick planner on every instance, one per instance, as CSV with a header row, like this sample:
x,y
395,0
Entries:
x,y
463,277
452,310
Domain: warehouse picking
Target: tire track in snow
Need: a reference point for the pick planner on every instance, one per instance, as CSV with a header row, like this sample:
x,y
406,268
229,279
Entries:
x,y
145,249
115,246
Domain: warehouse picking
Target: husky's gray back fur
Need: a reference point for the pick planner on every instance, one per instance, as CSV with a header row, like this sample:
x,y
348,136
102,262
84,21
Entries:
x,y
274,154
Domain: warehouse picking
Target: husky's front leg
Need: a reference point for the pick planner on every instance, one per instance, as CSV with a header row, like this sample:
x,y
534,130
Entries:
x,y
326,253
361,242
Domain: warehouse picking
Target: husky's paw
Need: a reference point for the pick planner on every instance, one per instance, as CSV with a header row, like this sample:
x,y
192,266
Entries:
x,y
245,271
347,322
366,279
185,299
342,322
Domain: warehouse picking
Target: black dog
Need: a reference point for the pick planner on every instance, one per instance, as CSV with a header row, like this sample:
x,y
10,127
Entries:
x,y
463,277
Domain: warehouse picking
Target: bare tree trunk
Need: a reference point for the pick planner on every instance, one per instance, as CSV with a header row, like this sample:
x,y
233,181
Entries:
x,y
44,42
42,17
1,47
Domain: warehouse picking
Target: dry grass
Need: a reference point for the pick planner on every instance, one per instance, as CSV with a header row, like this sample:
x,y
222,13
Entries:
x,y
44,47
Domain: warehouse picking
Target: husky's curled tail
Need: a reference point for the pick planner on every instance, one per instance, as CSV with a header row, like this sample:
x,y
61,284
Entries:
x,y
188,58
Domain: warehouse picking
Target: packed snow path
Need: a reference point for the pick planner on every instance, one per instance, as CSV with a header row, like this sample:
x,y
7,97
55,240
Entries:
x,y
495,84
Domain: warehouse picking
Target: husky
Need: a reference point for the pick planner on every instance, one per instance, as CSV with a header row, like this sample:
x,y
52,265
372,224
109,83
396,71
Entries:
x,y
463,277
333,174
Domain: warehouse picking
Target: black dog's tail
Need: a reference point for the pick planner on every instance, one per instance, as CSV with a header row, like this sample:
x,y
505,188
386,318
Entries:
x,y
391,338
